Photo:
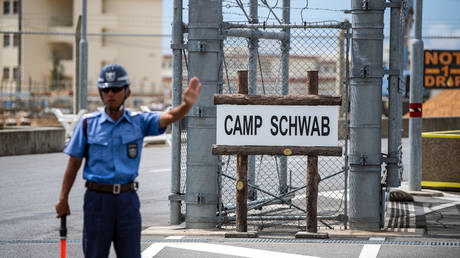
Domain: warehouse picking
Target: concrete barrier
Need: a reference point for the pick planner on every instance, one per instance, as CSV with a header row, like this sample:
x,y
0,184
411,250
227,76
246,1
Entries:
x,y
440,164
31,140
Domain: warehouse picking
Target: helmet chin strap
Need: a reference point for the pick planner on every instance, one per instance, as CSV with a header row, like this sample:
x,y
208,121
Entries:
x,y
122,106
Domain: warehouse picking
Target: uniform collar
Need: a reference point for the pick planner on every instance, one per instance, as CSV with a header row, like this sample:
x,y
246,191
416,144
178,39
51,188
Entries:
x,y
105,117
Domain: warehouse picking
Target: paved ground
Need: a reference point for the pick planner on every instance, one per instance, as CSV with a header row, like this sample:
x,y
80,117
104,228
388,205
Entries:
x,y
29,186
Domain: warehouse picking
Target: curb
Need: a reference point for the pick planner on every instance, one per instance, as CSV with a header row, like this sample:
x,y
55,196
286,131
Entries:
x,y
180,230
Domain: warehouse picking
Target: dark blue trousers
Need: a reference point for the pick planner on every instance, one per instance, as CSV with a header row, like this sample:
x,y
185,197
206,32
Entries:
x,y
111,218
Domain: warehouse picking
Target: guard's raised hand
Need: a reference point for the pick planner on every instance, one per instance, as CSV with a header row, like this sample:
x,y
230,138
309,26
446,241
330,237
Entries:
x,y
191,93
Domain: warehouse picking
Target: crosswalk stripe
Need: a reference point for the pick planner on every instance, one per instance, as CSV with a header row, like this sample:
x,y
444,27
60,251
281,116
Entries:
x,y
369,251
154,249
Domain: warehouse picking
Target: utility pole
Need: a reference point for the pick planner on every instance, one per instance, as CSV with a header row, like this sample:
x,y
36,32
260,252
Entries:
x,y
366,113
416,95
205,42
83,75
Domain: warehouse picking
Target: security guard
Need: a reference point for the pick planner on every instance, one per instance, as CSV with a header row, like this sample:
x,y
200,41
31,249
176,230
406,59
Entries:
x,y
111,143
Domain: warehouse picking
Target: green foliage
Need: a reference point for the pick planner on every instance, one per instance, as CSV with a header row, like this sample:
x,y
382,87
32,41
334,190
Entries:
x,y
57,72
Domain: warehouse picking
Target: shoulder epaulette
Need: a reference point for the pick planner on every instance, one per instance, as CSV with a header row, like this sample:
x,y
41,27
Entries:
x,y
134,113
91,115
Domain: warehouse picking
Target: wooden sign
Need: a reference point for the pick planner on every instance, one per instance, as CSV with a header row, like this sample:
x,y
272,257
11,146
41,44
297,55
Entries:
x,y
275,125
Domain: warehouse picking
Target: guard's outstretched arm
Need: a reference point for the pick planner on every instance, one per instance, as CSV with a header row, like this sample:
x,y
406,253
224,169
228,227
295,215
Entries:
x,y
189,97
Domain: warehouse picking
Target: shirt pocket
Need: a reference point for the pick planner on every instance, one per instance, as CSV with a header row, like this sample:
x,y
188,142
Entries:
x,y
132,144
98,146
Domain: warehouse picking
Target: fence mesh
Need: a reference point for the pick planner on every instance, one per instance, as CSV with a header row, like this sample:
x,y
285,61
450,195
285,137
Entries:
x,y
320,49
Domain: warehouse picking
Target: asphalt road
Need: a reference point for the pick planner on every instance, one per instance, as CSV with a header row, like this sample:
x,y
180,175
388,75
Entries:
x,y
29,188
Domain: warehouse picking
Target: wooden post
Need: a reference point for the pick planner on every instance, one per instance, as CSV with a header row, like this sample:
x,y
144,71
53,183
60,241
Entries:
x,y
242,171
312,168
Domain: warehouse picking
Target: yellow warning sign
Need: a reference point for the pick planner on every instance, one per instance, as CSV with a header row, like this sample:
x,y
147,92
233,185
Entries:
x,y
442,69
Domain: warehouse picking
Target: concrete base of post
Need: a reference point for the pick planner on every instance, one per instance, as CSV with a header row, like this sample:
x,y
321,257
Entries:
x,y
309,235
234,234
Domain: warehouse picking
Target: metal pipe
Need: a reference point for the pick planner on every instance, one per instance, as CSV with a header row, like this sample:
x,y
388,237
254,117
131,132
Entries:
x,y
257,34
301,217
395,98
366,112
252,83
285,46
83,75
416,97
204,46
177,42
313,25
347,111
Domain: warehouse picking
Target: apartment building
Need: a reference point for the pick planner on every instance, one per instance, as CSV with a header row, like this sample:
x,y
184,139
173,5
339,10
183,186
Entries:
x,y
119,31
269,80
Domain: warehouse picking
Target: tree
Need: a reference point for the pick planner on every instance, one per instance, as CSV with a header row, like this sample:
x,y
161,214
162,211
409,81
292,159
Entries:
x,y
57,72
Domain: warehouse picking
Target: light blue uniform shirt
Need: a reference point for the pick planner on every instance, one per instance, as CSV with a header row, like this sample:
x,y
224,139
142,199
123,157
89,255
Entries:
x,y
114,149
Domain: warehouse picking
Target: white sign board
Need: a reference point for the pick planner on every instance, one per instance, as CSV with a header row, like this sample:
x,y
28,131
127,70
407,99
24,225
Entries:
x,y
267,125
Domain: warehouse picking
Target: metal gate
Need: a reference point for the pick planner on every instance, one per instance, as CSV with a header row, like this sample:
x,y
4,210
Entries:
x,y
277,184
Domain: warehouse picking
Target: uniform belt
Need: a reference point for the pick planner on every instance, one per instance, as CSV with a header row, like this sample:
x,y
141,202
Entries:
x,y
109,188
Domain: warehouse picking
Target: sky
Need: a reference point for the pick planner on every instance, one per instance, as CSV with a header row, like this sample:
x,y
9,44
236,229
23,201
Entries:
x,y
440,17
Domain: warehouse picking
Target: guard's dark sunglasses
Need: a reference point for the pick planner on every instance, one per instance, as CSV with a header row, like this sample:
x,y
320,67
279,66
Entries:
x,y
113,89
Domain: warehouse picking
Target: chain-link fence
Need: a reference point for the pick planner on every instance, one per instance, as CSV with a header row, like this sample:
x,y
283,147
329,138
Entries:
x,y
324,49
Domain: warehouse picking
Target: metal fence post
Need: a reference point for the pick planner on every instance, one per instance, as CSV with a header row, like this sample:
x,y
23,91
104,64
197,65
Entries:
x,y
395,98
76,92
252,79
177,42
366,112
83,75
347,127
416,94
205,62
285,46
341,68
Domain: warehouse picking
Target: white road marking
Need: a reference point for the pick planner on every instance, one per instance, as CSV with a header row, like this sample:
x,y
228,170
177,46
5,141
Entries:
x,y
174,237
162,170
369,251
428,210
154,249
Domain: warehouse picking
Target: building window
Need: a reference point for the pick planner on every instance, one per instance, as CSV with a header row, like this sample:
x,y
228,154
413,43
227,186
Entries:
x,y
6,7
15,7
15,73
6,40
103,37
6,73
16,40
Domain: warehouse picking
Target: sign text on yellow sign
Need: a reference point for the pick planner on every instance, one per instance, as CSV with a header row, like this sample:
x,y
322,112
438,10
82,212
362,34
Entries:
x,y
442,69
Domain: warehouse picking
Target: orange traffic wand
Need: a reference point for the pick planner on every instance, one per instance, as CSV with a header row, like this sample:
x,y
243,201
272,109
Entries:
x,y
63,236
